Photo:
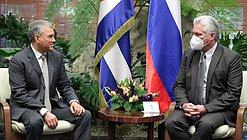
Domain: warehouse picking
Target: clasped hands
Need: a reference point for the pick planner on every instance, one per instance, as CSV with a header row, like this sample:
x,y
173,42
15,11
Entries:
x,y
194,111
52,121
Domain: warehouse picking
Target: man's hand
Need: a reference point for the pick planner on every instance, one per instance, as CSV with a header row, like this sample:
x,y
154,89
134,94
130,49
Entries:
x,y
191,110
51,120
201,109
76,109
194,111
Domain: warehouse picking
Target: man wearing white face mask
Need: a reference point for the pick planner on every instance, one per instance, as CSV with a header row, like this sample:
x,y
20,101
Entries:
x,y
196,43
208,86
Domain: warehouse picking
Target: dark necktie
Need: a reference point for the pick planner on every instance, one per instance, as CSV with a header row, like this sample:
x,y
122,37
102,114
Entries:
x,y
46,79
200,94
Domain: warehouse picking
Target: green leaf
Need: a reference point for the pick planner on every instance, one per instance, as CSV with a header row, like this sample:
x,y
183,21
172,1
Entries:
x,y
239,45
121,101
115,106
127,106
6,52
134,107
140,107
13,31
86,88
114,98
53,9
82,30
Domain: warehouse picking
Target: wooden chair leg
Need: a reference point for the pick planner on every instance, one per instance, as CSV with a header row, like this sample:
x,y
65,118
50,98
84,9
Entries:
x,y
111,130
18,136
167,137
6,119
150,135
161,131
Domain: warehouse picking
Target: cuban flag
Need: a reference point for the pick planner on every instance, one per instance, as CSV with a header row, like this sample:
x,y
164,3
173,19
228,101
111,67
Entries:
x,y
164,49
112,53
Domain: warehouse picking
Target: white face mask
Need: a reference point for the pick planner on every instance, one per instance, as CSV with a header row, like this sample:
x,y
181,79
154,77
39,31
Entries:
x,y
197,43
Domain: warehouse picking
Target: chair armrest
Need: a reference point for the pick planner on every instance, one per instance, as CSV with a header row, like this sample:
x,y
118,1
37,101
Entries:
x,y
240,121
6,118
171,108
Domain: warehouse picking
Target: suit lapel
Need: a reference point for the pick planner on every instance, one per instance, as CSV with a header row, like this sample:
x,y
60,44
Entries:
x,y
34,63
194,71
215,59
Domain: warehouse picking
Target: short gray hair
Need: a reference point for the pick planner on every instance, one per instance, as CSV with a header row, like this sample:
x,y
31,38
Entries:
x,y
37,27
209,25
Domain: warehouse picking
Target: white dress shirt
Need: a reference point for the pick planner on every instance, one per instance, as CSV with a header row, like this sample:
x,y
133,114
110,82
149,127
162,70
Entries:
x,y
209,55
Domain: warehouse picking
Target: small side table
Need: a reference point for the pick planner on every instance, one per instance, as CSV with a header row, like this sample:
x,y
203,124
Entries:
x,y
120,116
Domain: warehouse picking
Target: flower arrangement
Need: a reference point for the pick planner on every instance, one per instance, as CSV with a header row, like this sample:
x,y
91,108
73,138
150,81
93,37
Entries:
x,y
129,96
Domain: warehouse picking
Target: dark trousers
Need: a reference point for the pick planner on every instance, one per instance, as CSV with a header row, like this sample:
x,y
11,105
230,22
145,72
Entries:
x,y
34,123
178,124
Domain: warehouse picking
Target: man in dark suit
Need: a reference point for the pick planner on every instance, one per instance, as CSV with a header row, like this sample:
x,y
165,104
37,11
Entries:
x,y
211,100
30,86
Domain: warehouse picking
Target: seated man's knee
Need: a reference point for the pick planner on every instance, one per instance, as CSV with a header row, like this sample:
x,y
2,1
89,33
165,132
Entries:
x,y
204,125
169,124
35,123
87,115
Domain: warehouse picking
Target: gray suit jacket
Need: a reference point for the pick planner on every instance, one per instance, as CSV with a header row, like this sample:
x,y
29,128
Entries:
x,y
224,81
27,82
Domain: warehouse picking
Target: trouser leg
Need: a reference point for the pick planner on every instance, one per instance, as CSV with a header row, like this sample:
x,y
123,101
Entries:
x,y
177,126
206,126
33,123
82,123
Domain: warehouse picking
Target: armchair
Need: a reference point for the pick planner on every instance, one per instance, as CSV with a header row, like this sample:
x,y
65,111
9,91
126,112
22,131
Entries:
x,y
225,131
13,130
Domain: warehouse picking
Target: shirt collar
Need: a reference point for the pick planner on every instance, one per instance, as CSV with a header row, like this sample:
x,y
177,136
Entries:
x,y
211,51
36,53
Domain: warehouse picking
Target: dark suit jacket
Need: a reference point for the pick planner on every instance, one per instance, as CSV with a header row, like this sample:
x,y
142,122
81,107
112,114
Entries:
x,y
27,82
224,81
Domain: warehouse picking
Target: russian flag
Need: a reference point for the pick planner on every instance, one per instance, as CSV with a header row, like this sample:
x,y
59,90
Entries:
x,y
112,53
164,49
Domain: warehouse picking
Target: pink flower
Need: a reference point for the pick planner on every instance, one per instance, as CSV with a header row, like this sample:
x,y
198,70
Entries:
x,y
134,98
113,93
125,91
